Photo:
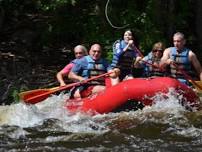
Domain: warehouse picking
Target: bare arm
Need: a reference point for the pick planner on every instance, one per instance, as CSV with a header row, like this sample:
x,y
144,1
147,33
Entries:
x,y
64,72
130,44
74,76
165,60
138,63
60,79
196,64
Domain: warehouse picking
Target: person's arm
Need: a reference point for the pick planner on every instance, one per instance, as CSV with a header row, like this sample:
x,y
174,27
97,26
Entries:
x,y
67,68
118,49
114,73
129,45
138,63
165,60
76,77
74,73
142,62
196,64
60,79
64,72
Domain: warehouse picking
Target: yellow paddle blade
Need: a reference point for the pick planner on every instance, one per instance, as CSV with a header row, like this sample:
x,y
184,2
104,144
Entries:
x,y
198,86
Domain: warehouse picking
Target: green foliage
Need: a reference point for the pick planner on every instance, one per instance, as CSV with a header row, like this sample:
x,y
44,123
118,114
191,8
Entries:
x,y
50,5
15,95
72,22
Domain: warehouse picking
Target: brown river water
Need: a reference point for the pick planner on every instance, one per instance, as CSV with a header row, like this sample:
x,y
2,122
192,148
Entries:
x,y
49,127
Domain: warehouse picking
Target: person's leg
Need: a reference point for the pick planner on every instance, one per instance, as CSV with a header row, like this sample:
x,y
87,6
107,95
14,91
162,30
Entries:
x,y
86,90
127,77
114,81
98,88
77,94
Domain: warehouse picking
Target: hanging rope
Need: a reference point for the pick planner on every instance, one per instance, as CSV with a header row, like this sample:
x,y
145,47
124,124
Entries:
x,y
106,14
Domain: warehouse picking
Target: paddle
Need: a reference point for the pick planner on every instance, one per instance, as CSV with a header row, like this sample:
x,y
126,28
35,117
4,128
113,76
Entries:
x,y
35,96
138,51
187,77
196,84
199,83
28,94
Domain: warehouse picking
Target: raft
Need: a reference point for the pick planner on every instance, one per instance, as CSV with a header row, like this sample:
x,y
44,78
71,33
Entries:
x,y
136,90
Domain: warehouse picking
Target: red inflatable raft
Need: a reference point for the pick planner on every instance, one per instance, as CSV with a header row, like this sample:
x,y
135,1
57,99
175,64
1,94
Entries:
x,y
137,89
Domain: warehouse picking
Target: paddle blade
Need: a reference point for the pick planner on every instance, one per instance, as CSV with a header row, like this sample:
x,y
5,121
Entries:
x,y
198,86
25,96
33,97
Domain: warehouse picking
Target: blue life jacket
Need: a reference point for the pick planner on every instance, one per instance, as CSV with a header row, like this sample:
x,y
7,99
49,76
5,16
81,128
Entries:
x,y
123,60
182,62
150,70
95,68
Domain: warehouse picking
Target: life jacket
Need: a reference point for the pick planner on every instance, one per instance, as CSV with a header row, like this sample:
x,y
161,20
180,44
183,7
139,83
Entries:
x,y
95,68
182,62
126,59
150,70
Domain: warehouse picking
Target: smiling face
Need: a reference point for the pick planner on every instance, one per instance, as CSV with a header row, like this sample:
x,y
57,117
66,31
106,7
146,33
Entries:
x,y
158,53
95,51
158,49
127,36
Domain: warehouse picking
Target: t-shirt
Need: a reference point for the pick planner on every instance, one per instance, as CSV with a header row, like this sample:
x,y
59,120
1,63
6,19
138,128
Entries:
x,y
67,68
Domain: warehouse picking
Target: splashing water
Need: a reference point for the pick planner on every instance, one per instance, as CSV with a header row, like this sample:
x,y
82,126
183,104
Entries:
x,y
164,126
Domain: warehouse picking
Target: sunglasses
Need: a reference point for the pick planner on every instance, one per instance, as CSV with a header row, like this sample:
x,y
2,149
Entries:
x,y
160,50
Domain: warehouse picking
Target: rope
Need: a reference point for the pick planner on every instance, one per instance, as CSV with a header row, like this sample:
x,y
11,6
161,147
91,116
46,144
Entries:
x,y
106,14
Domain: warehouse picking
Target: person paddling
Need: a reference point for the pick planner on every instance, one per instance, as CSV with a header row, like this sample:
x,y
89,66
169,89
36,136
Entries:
x,y
79,52
151,62
90,66
179,59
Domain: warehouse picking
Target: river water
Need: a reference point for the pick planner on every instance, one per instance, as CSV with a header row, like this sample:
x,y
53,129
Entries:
x,y
49,127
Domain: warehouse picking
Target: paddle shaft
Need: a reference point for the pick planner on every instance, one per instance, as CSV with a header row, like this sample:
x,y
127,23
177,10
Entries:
x,y
43,96
187,77
140,53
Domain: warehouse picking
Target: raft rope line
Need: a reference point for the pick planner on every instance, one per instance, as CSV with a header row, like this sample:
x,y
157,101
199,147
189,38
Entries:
x,y
107,17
